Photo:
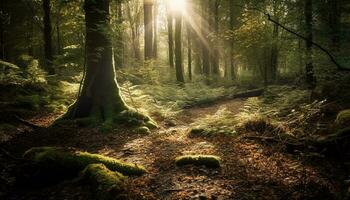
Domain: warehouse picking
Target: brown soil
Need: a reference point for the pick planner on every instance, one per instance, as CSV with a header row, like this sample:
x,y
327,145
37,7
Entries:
x,y
250,170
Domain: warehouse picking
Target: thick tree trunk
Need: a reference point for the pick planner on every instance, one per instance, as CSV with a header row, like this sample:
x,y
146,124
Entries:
x,y
148,18
48,37
178,49
100,95
310,78
119,50
189,51
170,37
334,24
2,31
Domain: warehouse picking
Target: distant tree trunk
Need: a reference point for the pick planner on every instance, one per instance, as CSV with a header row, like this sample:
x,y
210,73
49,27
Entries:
x,y
135,33
148,18
100,95
2,30
170,37
119,50
48,37
232,44
155,30
58,34
215,56
274,53
334,24
189,51
178,48
310,78
205,48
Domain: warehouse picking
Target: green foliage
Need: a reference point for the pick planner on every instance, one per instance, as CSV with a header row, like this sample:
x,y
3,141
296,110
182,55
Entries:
x,y
206,160
75,161
105,183
343,118
220,123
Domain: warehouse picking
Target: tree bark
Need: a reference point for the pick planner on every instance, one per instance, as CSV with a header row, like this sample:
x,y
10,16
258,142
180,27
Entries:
x,y
48,37
170,37
100,95
189,51
205,48
135,33
178,48
148,18
215,54
334,24
155,30
232,45
310,79
119,50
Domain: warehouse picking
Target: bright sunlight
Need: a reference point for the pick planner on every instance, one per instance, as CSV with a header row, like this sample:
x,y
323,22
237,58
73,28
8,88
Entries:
x,y
178,5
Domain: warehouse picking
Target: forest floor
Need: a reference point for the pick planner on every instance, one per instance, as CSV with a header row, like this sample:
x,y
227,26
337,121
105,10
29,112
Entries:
x,y
251,169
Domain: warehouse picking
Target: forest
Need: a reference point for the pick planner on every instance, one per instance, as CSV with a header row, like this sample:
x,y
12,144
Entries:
x,y
174,99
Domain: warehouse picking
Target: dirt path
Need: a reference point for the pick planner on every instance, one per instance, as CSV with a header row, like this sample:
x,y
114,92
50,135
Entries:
x,y
250,170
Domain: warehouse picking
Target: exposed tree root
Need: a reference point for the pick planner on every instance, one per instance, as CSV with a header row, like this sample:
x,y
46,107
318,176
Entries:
x,y
52,159
105,184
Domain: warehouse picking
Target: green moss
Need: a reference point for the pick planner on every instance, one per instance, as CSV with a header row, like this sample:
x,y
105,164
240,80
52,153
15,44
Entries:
x,y
105,183
206,160
75,161
343,118
143,130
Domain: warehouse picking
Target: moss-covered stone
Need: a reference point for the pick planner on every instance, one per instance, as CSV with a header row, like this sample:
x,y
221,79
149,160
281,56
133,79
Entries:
x,y
143,130
74,161
343,118
206,160
105,183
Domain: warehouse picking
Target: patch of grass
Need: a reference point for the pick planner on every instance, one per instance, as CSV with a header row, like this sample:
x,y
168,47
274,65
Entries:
x,y
222,122
105,183
74,161
206,160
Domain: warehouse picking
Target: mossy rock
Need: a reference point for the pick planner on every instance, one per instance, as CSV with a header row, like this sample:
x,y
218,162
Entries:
x,y
206,160
343,118
143,130
105,183
72,161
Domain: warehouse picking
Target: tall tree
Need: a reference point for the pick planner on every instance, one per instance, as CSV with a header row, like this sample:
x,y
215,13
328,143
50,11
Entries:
x,y
155,30
215,53
134,18
189,51
205,47
310,78
100,97
119,50
48,37
148,19
232,43
170,23
334,23
178,48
